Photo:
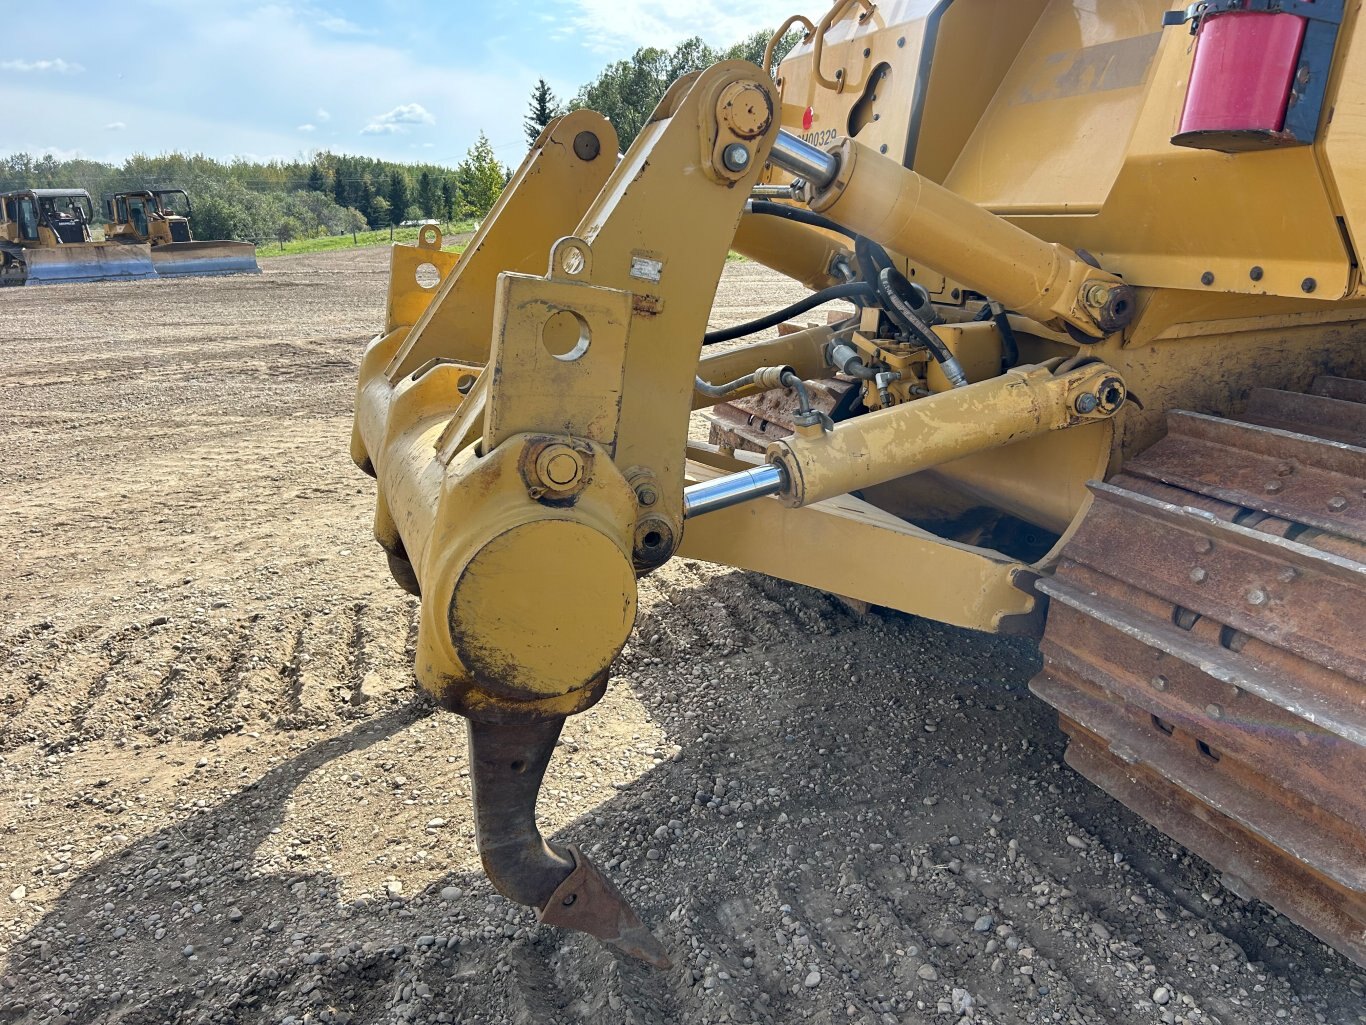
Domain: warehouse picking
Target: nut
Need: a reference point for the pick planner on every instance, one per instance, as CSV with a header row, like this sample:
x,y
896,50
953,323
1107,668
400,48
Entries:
x,y
735,157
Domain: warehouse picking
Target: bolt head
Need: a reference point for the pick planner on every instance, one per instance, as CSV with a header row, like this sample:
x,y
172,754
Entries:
x,y
1214,711
1159,682
1198,575
735,156
1274,487
1256,596
1337,503
1087,403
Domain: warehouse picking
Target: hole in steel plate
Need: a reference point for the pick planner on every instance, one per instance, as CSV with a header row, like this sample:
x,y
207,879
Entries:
x,y
566,336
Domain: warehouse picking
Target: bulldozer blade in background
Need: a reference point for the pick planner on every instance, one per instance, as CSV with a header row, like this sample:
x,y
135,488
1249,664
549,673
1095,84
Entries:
x,y
100,262
204,259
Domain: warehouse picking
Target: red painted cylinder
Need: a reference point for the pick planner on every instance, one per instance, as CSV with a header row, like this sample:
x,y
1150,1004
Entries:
x,y
1240,82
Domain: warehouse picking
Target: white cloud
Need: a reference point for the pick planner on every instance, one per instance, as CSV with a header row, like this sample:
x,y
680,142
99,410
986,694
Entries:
x,y
610,26
115,126
55,64
340,26
462,97
396,121
321,115
306,128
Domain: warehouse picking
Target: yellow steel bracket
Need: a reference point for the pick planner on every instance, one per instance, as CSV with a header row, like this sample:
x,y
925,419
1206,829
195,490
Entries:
x,y
562,341
544,200
453,321
528,425
415,274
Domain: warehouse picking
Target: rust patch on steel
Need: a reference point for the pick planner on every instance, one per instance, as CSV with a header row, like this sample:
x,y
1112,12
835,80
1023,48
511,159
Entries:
x,y
646,305
751,423
587,901
1204,648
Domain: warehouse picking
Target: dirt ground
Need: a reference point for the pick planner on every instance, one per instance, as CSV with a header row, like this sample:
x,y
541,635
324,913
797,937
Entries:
x,y
221,800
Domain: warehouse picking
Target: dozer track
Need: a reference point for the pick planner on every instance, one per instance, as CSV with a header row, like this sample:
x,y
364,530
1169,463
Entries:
x,y
1206,648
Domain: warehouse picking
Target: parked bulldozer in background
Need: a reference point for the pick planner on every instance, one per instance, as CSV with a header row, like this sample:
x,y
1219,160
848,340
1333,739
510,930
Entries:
x,y
45,237
1101,381
160,218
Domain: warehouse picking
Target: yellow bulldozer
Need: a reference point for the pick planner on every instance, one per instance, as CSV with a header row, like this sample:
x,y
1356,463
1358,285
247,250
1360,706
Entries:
x,y
160,218
1100,380
45,237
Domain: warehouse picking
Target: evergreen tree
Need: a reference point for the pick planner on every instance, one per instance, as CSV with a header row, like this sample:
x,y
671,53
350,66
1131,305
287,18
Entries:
x,y
342,191
628,91
428,201
448,211
544,108
380,214
398,197
317,179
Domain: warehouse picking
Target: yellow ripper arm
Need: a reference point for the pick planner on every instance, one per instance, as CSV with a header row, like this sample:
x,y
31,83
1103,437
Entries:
x,y
527,423
522,485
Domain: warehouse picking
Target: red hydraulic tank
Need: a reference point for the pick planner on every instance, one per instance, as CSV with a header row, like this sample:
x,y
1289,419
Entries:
x,y
1245,63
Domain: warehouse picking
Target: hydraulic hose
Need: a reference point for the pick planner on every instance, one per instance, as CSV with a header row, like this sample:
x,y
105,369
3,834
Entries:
x,y
872,257
722,391
903,305
798,214
849,290
1010,346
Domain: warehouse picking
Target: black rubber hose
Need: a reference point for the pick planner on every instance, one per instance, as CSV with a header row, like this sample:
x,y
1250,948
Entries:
x,y
872,257
794,213
849,290
896,294
1010,347
903,303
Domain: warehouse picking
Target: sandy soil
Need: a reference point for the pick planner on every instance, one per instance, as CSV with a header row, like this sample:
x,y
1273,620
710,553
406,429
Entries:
x,y
221,800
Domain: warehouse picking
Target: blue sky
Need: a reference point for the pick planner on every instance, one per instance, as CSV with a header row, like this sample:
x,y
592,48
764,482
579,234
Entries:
x,y
399,79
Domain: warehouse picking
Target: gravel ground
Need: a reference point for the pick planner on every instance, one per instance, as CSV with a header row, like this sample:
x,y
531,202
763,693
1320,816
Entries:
x,y
221,799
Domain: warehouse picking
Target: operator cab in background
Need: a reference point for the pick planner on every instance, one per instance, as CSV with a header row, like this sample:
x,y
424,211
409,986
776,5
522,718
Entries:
x,y
158,216
66,213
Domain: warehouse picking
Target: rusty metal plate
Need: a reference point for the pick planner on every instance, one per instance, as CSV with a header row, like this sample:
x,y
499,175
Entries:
x,y
1296,597
1280,473
755,421
1205,649
1315,415
1252,868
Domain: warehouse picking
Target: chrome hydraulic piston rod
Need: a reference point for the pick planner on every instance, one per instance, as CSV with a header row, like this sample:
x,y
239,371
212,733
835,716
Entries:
x,y
732,489
812,466
800,158
906,212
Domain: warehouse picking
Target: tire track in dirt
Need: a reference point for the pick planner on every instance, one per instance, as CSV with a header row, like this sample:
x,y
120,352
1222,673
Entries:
x,y
775,781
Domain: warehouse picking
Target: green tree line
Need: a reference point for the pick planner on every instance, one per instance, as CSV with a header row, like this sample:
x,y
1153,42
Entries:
x,y
627,91
330,193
